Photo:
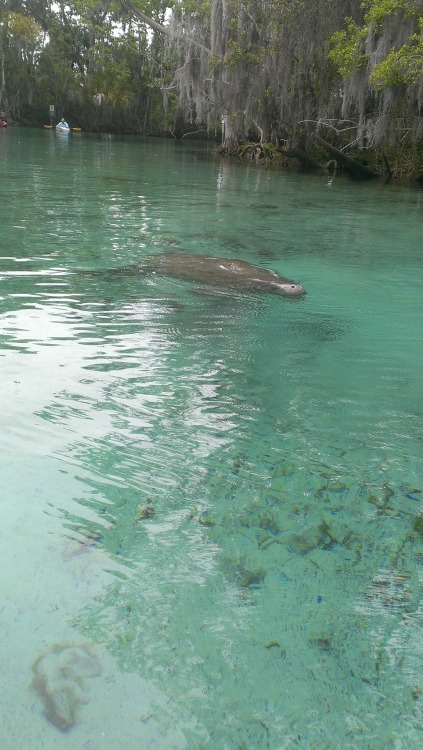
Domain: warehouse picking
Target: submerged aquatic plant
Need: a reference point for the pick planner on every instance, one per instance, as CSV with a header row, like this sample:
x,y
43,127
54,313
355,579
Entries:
x,y
60,680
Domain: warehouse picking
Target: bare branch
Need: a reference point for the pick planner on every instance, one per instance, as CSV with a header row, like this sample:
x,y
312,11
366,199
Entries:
x,y
202,130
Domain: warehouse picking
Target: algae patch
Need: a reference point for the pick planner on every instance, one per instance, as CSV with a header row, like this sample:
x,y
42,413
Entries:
x,y
60,679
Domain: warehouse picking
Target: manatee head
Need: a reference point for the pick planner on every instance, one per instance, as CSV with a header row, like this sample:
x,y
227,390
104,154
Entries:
x,y
288,289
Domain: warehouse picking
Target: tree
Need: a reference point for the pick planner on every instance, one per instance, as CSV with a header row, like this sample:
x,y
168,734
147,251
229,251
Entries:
x,y
269,70
381,61
262,65
21,39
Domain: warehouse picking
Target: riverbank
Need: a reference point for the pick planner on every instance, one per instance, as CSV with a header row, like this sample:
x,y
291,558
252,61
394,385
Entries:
x,y
404,164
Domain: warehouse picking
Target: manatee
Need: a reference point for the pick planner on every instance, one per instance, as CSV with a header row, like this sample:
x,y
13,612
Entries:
x,y
228,273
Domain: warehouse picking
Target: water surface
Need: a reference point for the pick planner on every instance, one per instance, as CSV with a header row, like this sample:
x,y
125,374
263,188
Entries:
x,y
217,496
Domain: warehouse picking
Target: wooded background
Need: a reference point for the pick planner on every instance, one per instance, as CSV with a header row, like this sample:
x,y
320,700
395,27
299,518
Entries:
x,y
268,71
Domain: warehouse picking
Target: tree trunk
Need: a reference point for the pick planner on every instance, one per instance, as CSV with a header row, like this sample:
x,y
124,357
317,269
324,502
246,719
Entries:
x,y
298,153
230,137
351,165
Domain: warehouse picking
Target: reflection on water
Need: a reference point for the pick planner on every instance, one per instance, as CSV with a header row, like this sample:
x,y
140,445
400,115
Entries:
x,y
216,497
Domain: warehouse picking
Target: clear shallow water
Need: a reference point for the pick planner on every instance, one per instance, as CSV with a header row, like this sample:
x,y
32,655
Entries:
x,y
219,496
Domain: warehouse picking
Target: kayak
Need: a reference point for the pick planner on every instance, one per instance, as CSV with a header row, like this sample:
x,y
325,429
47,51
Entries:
x,y
61,129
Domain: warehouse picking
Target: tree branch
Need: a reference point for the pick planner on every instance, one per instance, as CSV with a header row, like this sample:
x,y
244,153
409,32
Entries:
x,y
349,164
160,28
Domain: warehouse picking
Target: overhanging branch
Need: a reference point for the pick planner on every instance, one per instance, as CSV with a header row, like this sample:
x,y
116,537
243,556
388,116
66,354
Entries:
x,y
171,33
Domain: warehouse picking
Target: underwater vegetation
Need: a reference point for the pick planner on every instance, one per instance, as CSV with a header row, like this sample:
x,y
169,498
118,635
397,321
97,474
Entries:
x,y
60,676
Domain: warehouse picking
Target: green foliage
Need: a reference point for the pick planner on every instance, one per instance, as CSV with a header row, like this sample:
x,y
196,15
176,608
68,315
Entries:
x,y
22,28
347,52
110,72
269,65
238,54
401,67
379,10
192,8
21,41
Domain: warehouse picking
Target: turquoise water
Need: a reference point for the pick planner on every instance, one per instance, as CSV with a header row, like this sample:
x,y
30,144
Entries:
x,y
211,502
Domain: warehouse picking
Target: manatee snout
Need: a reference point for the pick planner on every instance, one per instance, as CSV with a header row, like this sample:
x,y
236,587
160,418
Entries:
x,y
290,290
